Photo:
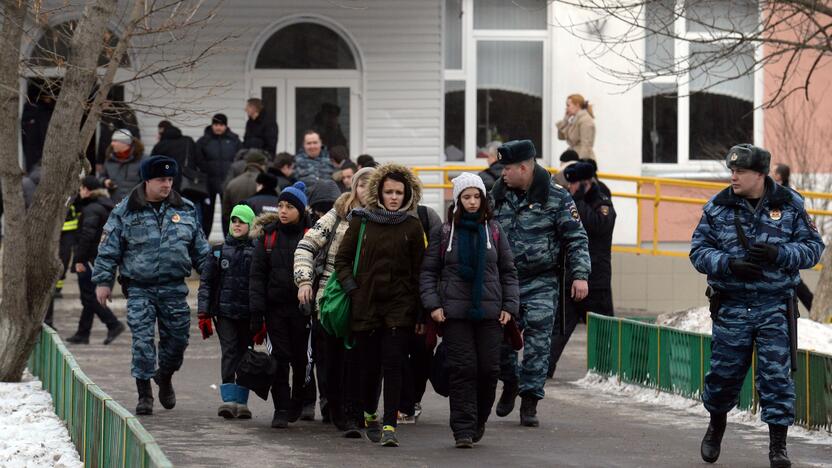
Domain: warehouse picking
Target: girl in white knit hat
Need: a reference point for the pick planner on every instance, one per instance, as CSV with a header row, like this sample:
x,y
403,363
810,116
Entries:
x,y
469,284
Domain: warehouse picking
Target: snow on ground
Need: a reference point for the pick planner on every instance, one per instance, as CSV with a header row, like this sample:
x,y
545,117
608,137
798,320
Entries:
x,y
811,335
31,434
639,394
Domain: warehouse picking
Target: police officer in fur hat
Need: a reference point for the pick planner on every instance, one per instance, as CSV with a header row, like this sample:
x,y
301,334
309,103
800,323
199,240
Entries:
x,y
753,239
153,238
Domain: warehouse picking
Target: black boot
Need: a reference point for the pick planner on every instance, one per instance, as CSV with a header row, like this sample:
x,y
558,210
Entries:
x,y
145,405
528,412
506,404
167,397
777,455
78,339
114,332
712,441
280,419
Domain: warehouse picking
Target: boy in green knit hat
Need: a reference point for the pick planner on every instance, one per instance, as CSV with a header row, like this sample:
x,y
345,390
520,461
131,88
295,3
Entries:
x,y
223,301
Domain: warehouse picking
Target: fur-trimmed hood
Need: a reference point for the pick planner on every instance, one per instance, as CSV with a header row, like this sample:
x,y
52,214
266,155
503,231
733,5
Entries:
x,y
259,224
374,194
341,208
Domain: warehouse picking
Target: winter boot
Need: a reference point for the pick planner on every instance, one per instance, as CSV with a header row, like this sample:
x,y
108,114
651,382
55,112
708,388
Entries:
x,y
280,419
145,406
506,404
777,455
167,397
464,443
712,441
528,412
228,408
308,412
114,332
78,339
480,432
242,403
295,410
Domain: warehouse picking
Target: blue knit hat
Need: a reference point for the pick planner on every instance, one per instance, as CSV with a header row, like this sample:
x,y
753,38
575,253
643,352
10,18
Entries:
x,y
295,195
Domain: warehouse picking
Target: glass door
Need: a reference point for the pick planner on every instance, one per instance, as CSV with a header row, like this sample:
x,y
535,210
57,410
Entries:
x,y
330,107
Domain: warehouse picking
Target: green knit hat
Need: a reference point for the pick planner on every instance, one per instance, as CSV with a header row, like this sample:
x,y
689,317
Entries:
x,y
244,213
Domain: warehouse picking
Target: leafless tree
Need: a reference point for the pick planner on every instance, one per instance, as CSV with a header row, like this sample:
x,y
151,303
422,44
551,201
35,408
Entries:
x,y
88,69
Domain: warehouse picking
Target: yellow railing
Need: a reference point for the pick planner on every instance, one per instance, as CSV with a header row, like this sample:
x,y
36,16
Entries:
x,y
640,182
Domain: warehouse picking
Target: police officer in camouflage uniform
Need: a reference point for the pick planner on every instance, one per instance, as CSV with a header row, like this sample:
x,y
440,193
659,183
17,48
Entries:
x,y
539,218
154,238
752,240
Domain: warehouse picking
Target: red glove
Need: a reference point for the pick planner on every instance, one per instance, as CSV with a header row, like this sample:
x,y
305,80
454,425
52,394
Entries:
x,y
205,325
260,336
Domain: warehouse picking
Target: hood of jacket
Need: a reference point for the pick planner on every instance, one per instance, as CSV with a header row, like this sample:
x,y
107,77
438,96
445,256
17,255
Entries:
x,y
172,133
341,208
100,196
259,224
374,189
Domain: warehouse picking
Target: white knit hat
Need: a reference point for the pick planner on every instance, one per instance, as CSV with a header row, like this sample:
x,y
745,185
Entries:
x,y
461,182
464,181
122,135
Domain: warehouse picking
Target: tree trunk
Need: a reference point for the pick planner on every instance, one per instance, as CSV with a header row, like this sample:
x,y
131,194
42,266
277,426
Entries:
x,y
30,263
822,303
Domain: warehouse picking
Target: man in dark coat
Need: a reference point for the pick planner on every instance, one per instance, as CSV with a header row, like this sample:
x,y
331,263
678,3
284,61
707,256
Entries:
x,y
174,145
215,151
494,172
261,128
284,170
265,200
242,186
598,216
34,122
95,206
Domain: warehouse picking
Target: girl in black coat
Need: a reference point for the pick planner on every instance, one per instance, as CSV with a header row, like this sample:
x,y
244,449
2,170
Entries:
x,y
469,282
223,296
274,296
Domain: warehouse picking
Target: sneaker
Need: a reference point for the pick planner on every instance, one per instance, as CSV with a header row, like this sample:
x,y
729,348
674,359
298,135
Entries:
x,y
280,420
388,437
351,430
405,418
227,410
464,443
372,428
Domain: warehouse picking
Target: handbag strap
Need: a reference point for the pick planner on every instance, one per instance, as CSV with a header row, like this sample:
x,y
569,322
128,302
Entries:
x,y
358,250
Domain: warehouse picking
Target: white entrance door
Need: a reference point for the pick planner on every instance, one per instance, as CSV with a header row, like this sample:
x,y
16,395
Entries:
x,y
330,106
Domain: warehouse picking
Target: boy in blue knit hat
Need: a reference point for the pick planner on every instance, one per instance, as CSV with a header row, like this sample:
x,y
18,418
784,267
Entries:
x,y
223,300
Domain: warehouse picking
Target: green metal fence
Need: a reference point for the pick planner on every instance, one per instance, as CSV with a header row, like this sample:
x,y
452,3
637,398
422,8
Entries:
x,y
105,434
676,361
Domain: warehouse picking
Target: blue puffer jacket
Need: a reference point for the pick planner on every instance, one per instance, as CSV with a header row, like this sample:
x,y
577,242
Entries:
x,y
150,247
223,288
779,219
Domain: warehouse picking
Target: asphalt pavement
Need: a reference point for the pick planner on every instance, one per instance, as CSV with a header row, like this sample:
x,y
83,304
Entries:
x,y
579,427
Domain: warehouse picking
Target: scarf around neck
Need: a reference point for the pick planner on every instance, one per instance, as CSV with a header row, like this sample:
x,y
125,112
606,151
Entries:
x,y
379,216
472,242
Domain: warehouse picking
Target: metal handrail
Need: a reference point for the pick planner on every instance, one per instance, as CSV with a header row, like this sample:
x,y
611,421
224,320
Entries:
x,y
656,197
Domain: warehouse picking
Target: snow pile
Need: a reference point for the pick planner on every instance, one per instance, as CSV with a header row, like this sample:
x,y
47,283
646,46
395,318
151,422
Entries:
x,y
811,335
650,396
31,434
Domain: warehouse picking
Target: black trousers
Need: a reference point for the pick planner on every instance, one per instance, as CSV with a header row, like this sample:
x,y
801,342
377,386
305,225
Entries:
x,y
235,338
598,301
415,374
290,341
208,210
473,367
381,353
90,305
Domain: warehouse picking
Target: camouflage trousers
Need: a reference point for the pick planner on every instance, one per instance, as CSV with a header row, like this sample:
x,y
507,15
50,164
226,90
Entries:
x,y
537,317
735,333
167,305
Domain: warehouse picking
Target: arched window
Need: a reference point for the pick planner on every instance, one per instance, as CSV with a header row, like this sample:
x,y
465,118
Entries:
x,y
306,46
52,49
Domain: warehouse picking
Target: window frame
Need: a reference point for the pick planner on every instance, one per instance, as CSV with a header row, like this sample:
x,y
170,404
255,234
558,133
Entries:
x,y
681,51
468,74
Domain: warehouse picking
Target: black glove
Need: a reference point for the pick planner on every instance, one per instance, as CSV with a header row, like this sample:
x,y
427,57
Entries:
x,y
746,270
763,254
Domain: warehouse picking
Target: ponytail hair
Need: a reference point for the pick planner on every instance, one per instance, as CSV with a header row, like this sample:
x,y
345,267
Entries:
x,y
581,102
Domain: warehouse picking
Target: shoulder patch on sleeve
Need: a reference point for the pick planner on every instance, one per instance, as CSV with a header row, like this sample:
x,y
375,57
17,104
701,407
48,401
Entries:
x,y
573,210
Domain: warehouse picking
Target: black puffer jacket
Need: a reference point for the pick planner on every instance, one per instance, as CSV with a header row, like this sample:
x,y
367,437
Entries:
x,y
441,285
272,286
174,145
214,155
491,175
261,133
95,211
598,217
226,278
